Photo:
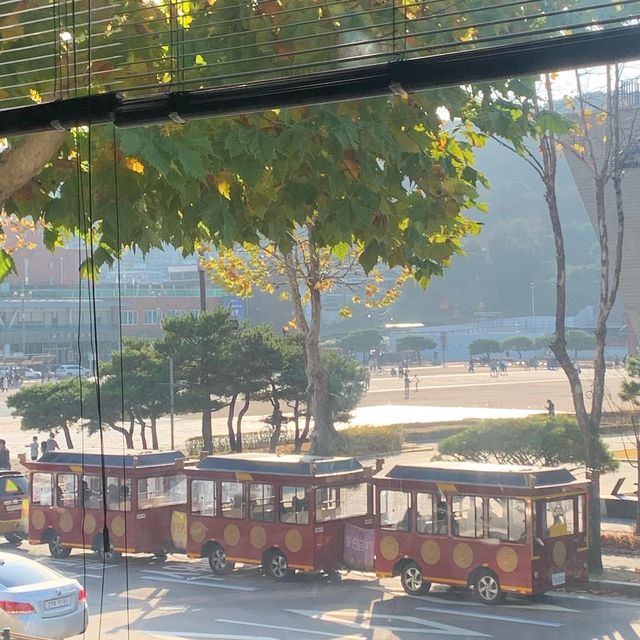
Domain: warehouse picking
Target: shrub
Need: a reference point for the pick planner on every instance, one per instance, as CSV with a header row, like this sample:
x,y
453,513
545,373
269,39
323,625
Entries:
x,y
536,440
620,541
369,441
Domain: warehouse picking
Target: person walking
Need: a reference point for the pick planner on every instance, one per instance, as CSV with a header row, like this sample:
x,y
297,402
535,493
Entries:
x,y
416,382
34,448
51,444
407,383
551,409
5,461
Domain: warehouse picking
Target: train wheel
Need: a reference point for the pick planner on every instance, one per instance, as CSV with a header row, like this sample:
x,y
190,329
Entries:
x,y
486,588
13,538
277,565
109,556
412,580
218,561
55,547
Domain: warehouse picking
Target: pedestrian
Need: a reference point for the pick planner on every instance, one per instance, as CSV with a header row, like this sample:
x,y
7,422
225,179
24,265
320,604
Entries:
x,y
367,379
5,462
5,382
34,448
407,383
43,447
51,444
551,409
471,368
416,382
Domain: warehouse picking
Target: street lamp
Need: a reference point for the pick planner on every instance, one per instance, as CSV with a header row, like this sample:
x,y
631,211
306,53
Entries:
x,y
532,285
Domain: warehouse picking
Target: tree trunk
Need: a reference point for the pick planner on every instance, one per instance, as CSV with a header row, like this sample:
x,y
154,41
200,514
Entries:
x,y
419,357
243,410
143,434
232,408
154,433
207,437
67,435
126,434
276,423
297,442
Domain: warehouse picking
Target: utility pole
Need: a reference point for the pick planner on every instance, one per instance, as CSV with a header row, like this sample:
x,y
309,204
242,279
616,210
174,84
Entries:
x,y
171,403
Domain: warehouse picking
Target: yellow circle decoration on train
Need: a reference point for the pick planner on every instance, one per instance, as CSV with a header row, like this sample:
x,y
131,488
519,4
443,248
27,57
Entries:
x,y
231,535
462,555
198,531
430,552
258,537
389,548
65,522
118,526
90,523
507,559
38,519
559,554
293,540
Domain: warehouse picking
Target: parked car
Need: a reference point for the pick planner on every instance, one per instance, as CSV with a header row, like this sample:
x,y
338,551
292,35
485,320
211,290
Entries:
x,y
36,600
31,374
71,371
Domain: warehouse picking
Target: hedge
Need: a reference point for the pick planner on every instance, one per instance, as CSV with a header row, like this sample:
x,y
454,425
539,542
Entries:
x,y
369,441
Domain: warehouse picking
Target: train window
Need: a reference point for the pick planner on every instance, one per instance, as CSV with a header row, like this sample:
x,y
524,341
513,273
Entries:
x,y
42,485
118,493
348,501
92,491
581,514
395,510
559,518
431,514
162,491
67,490
12,486
507,519
203,497
261,502
294,505
232,499
467,516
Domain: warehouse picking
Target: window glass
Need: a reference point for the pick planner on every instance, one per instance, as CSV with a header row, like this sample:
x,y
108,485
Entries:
x,y
203,497
261,502
467,516
395,510
42,484
118,493
232,499
348,501
162,491
67,490
294,505
559,518
507,519
581,513
431,514
15,485
92,491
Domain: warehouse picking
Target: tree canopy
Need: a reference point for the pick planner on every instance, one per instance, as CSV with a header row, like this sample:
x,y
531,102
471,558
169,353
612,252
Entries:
x,y
485,346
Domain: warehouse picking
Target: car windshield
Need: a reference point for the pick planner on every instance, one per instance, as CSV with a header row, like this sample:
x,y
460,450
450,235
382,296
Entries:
x,y
19,572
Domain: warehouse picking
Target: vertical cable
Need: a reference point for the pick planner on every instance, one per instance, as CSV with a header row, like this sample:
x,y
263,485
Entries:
x,y
121,342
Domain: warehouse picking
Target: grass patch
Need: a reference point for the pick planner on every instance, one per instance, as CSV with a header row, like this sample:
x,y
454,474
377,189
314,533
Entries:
x,y
369,441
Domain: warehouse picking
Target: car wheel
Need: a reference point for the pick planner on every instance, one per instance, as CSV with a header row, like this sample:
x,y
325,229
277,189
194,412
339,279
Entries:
x,y
13,538
277,565
56,549
413,581
218,561
486,588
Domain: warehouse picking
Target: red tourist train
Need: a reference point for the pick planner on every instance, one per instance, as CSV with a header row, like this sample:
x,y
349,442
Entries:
x,y
14,488
497,528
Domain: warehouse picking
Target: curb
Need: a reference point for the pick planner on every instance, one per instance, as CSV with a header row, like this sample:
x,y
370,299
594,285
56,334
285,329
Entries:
x,y
614,587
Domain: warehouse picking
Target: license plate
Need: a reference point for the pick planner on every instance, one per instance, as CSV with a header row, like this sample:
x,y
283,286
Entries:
x,y
56,603
558,579
14,507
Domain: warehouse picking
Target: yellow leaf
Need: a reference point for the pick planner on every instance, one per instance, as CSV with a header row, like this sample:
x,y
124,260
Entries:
x,y
135,165
200,61
224,188
345,312
35,96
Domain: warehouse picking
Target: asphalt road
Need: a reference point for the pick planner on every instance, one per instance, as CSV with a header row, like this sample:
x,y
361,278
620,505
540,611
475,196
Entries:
x,y
180,599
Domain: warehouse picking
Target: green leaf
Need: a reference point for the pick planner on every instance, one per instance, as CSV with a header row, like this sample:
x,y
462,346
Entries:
x,y
7,265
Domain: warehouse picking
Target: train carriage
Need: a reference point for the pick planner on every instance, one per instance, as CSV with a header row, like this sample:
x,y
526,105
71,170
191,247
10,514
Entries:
x,y
497,528
145,502
282,512
14,488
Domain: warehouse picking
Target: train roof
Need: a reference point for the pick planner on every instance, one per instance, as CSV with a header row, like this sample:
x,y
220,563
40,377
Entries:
x,y
110,458
289,465
481,474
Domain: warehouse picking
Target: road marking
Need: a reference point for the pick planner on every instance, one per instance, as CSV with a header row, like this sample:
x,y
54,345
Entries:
x,y
594,598
369,622
200,583
491,616
185,577
529,606
193,634
494,382
281,628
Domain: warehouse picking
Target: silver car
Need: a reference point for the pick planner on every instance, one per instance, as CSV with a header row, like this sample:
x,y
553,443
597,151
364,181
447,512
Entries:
x,y
38,601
